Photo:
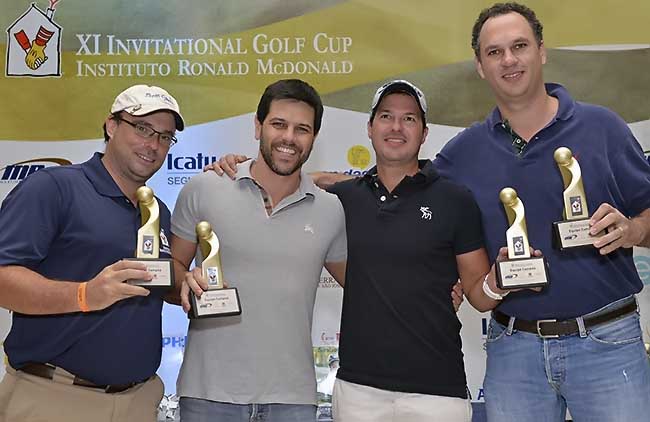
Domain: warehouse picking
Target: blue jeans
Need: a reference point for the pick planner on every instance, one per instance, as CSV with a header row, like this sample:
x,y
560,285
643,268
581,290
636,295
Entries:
x,y
601,374
199,410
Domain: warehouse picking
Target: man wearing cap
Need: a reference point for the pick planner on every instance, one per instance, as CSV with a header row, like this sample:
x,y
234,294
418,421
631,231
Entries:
x,y
84,345
411,236
578,343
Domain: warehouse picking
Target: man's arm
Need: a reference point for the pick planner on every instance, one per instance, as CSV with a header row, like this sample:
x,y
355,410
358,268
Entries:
x,y
472,268
28,292
183,252
228,165
337,270
622,232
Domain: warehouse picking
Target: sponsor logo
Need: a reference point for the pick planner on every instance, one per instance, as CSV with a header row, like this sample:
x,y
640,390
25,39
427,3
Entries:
x,y
576,205
329,338
174,341
180,169
518,245
34,44
14,173
358,156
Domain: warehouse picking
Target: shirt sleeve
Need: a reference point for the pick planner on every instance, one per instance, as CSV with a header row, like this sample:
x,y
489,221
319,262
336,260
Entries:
x,y
469,228
186,211
338,250
632,172
30,219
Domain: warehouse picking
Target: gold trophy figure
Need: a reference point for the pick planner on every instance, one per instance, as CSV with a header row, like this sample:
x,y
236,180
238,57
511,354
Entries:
x,y
574,230
520,270
148,243
217,300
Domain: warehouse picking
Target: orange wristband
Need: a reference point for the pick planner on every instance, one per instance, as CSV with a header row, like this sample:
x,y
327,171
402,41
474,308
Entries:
x,y
81,297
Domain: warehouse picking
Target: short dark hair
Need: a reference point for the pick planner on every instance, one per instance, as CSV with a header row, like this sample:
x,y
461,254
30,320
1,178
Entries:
x,y
114,116
499,9
291,89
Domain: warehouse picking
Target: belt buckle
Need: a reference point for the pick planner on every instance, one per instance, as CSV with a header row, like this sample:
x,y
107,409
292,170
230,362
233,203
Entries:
x,y
539,329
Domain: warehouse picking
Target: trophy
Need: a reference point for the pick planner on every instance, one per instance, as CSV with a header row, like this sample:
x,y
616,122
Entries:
x,y
520,270
574,230
217,300
148,249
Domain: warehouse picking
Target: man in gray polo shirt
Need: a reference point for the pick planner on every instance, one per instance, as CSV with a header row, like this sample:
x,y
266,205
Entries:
x,y
277,231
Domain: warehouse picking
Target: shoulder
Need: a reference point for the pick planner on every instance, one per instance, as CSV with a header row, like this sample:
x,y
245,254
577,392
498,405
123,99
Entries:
x,y
206,179
454,191
347,186
597,114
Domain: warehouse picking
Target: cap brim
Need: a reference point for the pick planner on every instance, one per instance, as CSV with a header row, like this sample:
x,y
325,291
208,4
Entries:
x,y
145,110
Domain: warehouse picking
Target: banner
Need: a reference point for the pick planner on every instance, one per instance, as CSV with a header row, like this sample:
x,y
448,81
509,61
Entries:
x,y
65,61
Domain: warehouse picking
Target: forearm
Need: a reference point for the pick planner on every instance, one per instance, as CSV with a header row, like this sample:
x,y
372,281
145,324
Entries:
x,y
641,223
324,179
28,292
174,295
477,297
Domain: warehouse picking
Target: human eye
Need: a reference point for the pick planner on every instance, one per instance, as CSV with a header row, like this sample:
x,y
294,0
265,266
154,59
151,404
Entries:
x,y
166,139
143,130
493,52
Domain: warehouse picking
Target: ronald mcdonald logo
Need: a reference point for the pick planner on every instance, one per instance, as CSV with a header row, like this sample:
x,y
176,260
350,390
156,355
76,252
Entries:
x,y
34,44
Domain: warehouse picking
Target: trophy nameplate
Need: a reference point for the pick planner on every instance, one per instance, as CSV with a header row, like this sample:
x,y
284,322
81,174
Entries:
x,y
148,246
217,301
520,270
573,231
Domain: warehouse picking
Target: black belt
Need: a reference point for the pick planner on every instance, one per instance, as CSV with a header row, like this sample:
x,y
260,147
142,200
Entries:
x,y
552,328
47,371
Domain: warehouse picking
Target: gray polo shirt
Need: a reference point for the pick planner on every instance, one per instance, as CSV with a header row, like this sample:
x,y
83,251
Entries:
x,y
265,354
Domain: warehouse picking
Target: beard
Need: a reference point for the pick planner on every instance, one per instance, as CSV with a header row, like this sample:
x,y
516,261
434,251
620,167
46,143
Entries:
x,y
282,170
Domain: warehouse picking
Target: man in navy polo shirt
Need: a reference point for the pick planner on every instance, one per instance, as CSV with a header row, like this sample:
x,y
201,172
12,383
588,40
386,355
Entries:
x,y
577,344
85,345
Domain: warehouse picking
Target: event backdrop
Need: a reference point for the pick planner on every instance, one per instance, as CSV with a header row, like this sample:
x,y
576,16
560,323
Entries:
x,y
216,57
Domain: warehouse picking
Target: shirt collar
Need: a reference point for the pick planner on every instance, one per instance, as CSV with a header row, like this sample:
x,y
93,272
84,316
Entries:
x,y
565,109
100,178
427,174
305,188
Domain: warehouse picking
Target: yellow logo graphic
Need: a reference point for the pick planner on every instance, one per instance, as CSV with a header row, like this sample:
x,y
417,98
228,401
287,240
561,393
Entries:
x,y
358,156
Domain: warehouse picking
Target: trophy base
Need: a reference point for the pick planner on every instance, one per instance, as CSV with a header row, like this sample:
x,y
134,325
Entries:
x,y
162,270
522,273
215,303
571,234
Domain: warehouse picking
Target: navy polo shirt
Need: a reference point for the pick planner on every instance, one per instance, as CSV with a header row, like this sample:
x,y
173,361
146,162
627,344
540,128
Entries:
x,y
399,330
68,223
614,171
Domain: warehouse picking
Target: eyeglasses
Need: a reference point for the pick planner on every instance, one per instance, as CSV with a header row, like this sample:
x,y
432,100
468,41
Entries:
x,y
147,132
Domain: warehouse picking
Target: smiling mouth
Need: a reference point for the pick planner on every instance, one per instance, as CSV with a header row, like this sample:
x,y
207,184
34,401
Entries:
x,y
395,140
513,75
286,150
145,158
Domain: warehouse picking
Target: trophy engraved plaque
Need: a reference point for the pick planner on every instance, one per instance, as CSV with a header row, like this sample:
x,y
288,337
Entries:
x,y
573,231
148,244
217,300
520,270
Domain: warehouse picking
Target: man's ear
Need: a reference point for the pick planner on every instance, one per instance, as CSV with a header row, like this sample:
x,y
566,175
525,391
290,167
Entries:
x,y
479,67
258,128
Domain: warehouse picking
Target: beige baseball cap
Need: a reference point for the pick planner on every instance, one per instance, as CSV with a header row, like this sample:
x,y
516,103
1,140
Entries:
x,y
140,100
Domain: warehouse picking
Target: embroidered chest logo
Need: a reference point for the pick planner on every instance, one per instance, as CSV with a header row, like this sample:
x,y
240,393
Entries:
x,y
426,213
309,228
